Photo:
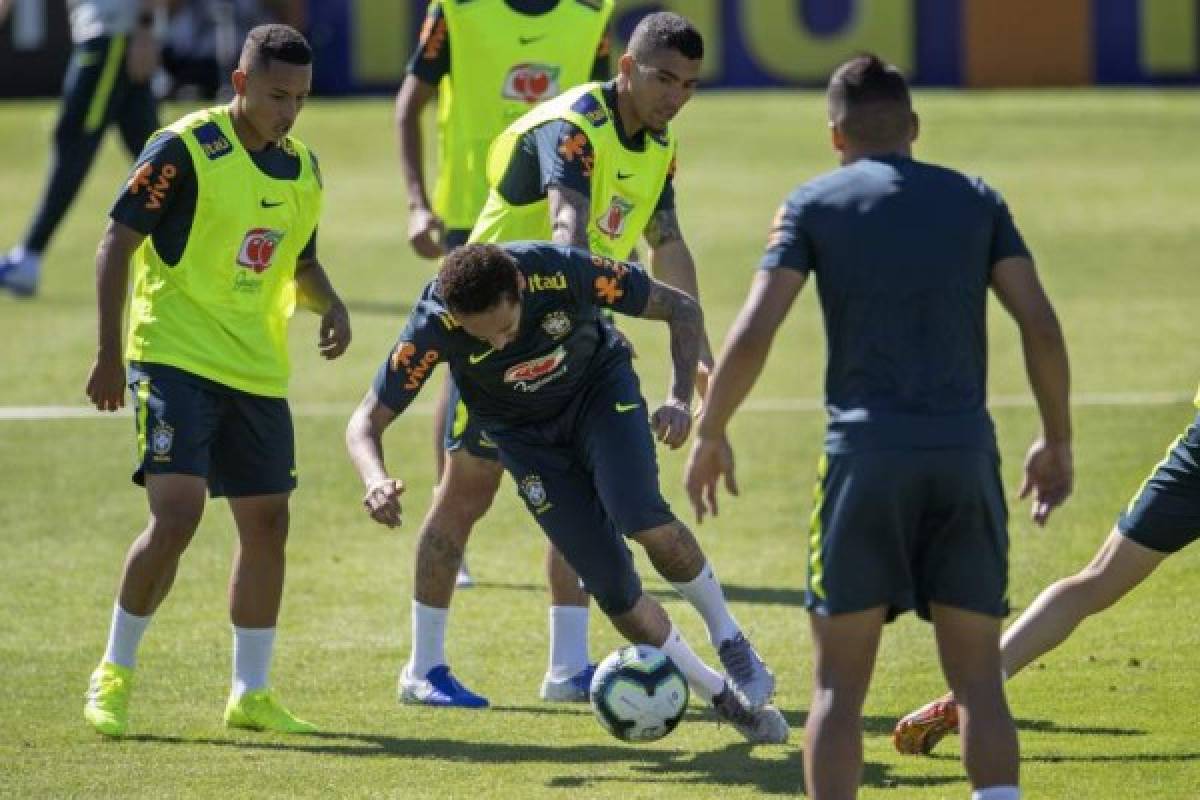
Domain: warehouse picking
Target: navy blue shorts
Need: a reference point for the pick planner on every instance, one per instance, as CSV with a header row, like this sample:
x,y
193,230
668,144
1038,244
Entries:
x,y
1165,513
462,430
590,478
455,237
906,528
243,444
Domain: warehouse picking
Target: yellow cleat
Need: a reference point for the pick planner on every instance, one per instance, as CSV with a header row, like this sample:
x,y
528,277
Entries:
x,y
919,732
107,706
260,711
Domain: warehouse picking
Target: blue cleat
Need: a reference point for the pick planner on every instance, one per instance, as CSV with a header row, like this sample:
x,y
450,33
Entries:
x,y
19,272
438,688
570,690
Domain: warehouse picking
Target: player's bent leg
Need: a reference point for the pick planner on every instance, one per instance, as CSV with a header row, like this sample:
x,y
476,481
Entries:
x,y
969,649
677,556
464,495
844,657
176,506
1119,566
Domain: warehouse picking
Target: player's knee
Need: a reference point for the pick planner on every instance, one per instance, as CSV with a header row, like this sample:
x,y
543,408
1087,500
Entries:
x,y
170,531
615,594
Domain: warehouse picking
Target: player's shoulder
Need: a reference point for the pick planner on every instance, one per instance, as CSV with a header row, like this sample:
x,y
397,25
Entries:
x,y
591,107
429,315
537,257
948,178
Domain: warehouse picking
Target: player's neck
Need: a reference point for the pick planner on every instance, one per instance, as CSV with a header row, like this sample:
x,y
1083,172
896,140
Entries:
x,y
247,135
631,123
851,154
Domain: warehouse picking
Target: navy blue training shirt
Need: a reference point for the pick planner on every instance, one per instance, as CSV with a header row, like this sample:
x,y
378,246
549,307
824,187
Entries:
x,y
561,345
902,254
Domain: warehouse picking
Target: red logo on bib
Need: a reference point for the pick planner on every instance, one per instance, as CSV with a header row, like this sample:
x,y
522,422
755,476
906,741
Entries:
x,y
258,248
531,83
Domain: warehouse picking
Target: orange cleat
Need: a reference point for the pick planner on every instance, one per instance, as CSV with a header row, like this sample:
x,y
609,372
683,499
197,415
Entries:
x,y
919,732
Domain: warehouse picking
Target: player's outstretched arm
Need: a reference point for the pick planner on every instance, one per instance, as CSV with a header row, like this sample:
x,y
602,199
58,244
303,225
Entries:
x,y
673,421
316,293
1049,470
425,229
364,441
738,367
106,380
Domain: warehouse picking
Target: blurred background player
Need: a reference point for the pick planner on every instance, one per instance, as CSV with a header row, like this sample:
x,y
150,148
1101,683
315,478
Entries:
x,y
219,221
115,53
910,511
554,385
487,62
204,38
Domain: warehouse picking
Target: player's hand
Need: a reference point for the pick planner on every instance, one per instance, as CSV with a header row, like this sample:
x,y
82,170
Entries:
x,y
382,502
1049,476
426,233
709,460
672,423
141,55
106,383
335,331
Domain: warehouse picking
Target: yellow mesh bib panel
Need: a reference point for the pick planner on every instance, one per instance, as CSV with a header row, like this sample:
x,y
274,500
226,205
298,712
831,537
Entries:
x,y
626,184
502,63
222,311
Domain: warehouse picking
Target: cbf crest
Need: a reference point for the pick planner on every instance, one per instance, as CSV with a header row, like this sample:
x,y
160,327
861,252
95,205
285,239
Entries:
x,y
534,491
161,439
556,324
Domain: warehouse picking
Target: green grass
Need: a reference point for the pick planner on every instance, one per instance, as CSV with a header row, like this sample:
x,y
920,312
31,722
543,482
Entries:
x,y
1103,186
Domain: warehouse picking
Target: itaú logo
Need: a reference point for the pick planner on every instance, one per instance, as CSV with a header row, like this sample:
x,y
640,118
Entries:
x,y
531,83
258,248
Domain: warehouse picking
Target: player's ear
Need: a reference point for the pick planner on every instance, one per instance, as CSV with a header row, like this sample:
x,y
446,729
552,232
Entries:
x,y
625,65
239,81
521,284
914,129
836,137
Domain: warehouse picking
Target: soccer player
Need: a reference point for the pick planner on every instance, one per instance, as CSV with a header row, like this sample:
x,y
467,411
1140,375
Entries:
x,y
115,53
554,388
592,168
910,511
219,220
1161,519
507,56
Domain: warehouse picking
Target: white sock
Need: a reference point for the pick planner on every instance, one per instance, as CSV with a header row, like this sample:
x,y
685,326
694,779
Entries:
x,y
428,639
705,594
705,681
997,793
124,636
568,641
252,650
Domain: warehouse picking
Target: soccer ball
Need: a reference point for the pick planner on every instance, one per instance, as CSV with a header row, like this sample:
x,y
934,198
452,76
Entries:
x,y
638,693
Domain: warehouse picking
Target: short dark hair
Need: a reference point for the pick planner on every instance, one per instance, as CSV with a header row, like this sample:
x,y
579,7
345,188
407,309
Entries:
x,y
275,42
664,30
476,277
869,101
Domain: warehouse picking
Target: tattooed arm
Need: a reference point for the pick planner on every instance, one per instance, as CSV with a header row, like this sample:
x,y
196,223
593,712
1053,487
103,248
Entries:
x,y
568,216
683,316
671,262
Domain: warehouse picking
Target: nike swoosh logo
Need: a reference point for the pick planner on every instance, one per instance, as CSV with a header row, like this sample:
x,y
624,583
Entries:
x,y
530,39
475,358
624,175
269,204
623,407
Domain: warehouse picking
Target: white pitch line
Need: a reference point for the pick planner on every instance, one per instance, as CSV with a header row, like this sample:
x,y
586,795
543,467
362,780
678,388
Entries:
x,y
767,405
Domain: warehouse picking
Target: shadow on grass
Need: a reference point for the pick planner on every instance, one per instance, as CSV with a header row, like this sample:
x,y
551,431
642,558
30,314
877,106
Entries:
x,y
734,593
378,308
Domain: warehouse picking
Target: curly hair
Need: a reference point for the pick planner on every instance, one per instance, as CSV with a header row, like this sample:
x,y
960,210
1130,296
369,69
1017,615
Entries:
x,y
476,277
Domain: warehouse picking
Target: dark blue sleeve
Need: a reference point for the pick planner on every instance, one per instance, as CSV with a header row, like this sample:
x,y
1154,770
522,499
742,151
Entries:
x,y
418,350
622,286
162,175
310,249
430,62
1006,239
789,245
565,156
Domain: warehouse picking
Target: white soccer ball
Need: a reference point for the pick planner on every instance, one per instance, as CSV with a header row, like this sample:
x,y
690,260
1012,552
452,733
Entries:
x,y
638,693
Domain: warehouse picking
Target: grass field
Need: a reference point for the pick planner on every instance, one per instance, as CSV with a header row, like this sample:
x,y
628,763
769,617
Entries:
x,y
1103,186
